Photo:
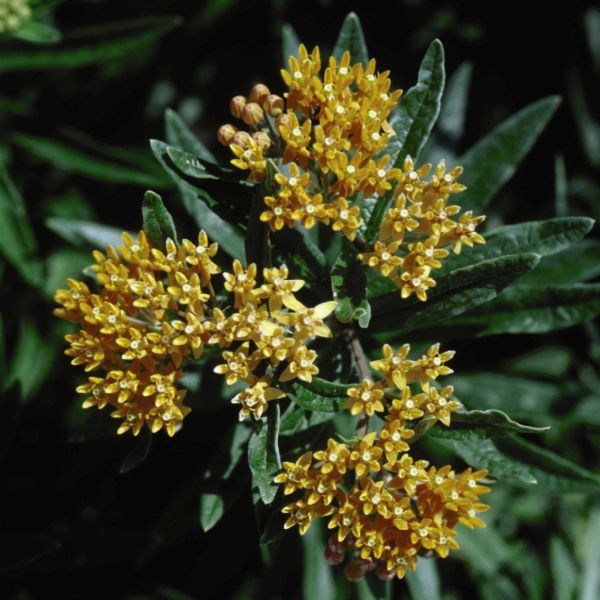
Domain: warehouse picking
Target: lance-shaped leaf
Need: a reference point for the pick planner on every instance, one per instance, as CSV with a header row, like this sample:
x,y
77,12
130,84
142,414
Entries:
x,y
349,286
318,581
95,45
541,237
228,236
82,161
514,459
289,43
17,241
533,309
481,424
84,233
37,32
490,163
455,293
180,135
414,116
219,489
352,39
451,123
263,455
158,222
311,399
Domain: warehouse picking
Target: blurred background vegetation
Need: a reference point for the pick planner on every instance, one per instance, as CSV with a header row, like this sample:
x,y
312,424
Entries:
x,y
81,93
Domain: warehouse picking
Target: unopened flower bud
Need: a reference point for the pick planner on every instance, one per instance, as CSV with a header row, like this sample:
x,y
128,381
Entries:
x,y
241,138
236,106
262,139
226,134
273,105
334,558
282,119
383,573
252,114
353,572
259,93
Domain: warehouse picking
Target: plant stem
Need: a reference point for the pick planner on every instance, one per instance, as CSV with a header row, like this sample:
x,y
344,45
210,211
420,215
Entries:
x,y
364,372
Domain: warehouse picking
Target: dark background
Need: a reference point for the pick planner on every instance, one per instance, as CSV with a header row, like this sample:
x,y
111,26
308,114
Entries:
x,y
137,535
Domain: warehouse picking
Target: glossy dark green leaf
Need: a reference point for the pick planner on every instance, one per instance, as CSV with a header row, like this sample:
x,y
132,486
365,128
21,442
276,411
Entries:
x,y
84,233
352,39
455,293
416,113
17,241
158,222
532,309
289,44
312,400
490,163
228,236
37,32
481,424
222,490
263,455
96,45
77,160
138,451
327,388
541,237
580,262
179,134
518,460
349,287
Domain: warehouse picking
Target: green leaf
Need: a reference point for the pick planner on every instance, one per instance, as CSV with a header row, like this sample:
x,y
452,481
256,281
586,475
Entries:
x,y
327,388
62,264
84,233
218,476
451,122
158,222
520,461
349,286
564,571
481,424
289,43
424,583
180,135
38,33
96,45
580,262
518,396
228,236
540,237
590,575
551,361
138,452
561,187
263,455
310,399
527,309
490,163
414,116
454,293
32,360
17,242
352,39
318,581
76,160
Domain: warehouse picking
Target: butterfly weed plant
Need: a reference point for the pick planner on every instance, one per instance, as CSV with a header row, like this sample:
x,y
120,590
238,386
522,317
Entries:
x,y
326,245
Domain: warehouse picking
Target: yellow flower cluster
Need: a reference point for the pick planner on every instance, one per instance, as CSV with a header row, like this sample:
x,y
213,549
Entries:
x,y
386,507
328,144
13,13
155,309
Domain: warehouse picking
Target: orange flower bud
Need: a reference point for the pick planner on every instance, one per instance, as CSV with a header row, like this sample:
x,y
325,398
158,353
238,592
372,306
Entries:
x,y
259,93
262,139
236,106
226,134
252,114
273,105
241,138
353,571
282,119
334,558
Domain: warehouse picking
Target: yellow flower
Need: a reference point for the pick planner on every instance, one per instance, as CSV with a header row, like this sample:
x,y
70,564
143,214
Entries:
x,y
253,400
365,398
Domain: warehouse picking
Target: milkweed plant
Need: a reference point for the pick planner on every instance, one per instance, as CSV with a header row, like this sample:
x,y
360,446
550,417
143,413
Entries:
x,y
328,243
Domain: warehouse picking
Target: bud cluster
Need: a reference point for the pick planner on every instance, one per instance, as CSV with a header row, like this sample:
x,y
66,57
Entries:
x,y
13,13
